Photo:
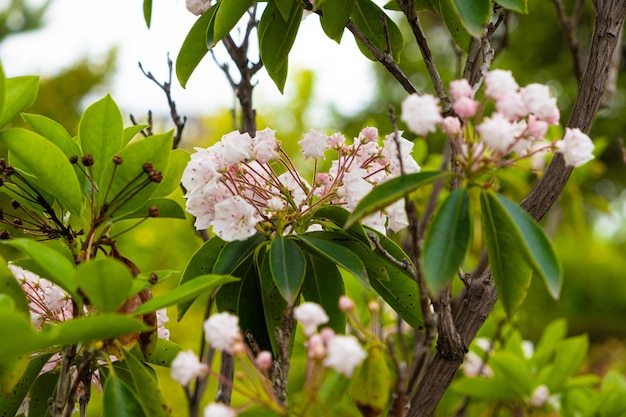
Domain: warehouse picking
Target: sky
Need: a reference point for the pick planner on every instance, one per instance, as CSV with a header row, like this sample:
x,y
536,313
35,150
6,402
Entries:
x,y
89,28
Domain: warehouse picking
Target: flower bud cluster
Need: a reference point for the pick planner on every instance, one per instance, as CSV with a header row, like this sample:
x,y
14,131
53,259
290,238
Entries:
x,y
233,186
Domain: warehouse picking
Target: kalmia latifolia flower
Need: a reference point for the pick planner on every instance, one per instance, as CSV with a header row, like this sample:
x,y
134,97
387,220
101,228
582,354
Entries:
x,y
344,354
576,147
421,113
222,332
186,366
310,315
198,7
219,410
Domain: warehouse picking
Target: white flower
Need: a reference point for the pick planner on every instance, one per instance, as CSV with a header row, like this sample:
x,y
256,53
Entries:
x,y
221,331
539,396
452,126
344,354
390,153
219,410
235,147
235,219
538,100
354,187
198,7
298,194
473,366
264,146
396,213
186,367
313,144
421,113
576,147
201,169
460,88
511,105
499,82
162,318
310,315
276,203
497,132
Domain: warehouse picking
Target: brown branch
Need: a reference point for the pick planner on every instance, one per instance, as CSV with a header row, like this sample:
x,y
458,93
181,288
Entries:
x,y
480,295
569,25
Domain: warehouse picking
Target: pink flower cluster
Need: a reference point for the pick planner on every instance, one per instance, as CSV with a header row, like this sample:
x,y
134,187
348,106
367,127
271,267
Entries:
x,y
233,187
519,123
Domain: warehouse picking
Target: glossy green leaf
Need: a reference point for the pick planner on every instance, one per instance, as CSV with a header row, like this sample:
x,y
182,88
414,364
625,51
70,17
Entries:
x,y
147,12
236,253
101,133
323,284
475,14
164,353
187,291
24,339
335,15
339,216
167,208
366,16
570,354
14,386
91,328
154,149
201,263
145,383
52,264
541,255
453,21
513,369
285,6
482,388
338,255
172,176
3,87
288,267
371,385
551,336
390,191
19,94
195,46
507,260
54,132
276,37
106,283
274,305
131,131
54,172
119,399
520,6
402,295
447,240
42,390
227,15
11,288
432,5
250,309
394,250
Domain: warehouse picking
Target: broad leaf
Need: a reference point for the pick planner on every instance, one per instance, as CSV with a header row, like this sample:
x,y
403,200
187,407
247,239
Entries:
x,y
54,172
474,14
513,369
147,12
187,291
236,253
250,309
42,389
570,354
453,21
366,16
171,177
51,264
54,132
91,328
10,288
228,14
285,6
520,6
145,383
195,46
164,353
131,131
335,15
274,305
19,94
276,37
106,283
402,294
339,216
507,260
166,207
3,87
371,385
447,240
390,191
323,284
336,254
551,336
201,263
12,393
119,399
288,266
101,132
541,255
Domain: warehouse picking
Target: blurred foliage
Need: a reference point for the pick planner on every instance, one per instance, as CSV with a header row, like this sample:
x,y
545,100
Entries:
x,y
19,17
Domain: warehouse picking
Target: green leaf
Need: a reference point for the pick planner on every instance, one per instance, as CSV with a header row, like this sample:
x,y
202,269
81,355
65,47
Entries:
x,y
145,382
371,385
154,149
168,208
250,309
42,389
390,191
51,263
187,291
11,288
285,7
396,252
236,253
541,255
402,294
172,176
366,16
119,399
101,132
507,260
228,14
453,21
23,340
276,37
147,12
131,131
54,132
201,263
164,353
339,216
90,328
520,6
288,266
323,284
552,334
335,15
274,305
13,388
195,46
447,240
336,254
106,283
513,369
481,388
54,172
570,354
19,94
475,14
3,88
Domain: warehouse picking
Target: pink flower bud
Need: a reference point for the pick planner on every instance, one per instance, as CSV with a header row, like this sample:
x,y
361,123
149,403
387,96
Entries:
x,y
346,304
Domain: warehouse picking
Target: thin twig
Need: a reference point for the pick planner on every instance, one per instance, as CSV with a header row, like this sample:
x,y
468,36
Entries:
x,y
569,25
